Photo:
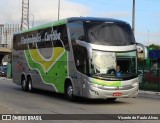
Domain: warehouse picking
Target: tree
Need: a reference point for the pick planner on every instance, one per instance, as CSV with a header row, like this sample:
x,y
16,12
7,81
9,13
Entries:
x,y
154,47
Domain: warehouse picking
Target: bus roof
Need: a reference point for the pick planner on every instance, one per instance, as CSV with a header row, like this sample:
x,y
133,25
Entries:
x,y
94,19
71,19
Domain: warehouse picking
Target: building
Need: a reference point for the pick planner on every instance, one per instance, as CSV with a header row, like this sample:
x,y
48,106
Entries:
x,y
6,37
6,34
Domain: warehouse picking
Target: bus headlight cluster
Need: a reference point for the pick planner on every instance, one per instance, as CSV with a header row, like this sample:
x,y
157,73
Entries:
x,y
135,82
94,92
98,86
95,85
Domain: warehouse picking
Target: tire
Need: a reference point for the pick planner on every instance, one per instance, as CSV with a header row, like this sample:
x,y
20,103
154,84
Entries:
x,y
24,85
69,92
30,88
111,99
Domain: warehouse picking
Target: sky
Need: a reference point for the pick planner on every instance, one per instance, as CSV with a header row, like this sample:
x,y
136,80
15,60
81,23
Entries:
x,y
147,13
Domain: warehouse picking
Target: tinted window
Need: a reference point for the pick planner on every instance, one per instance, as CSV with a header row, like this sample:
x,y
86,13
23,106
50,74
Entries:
x,y
44,38
80,53
76,30
109,33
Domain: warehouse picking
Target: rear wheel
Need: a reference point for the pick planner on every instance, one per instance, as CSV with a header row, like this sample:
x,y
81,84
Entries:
x,y
30,88
24,85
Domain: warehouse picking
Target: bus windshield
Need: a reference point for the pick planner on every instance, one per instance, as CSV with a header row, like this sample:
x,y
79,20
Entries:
x,y
106,64
109,33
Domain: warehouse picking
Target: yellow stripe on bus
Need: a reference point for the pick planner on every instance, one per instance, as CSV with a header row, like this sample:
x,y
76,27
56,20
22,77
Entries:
x,y
57,51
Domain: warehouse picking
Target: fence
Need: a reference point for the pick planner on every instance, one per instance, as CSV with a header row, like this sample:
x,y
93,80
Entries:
x,y
9,70
149,78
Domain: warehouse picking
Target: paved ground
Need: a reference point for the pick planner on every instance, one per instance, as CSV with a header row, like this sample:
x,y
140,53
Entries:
x,y
14,101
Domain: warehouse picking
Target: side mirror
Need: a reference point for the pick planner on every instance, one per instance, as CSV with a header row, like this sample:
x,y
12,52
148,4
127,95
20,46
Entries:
x,y
142,51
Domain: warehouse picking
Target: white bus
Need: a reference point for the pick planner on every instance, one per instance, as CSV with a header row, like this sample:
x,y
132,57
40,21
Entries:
x,y
80,56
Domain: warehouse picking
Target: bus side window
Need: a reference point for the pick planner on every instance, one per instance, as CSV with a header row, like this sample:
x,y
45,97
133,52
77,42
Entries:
x,y
80,58
64,36
77,31
79,52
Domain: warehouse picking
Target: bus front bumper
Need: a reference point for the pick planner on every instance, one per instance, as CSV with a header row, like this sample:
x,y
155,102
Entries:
x,y
95,92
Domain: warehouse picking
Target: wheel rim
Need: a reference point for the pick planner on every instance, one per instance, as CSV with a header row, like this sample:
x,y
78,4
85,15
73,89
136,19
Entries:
x,y
23,83
30,85
70,91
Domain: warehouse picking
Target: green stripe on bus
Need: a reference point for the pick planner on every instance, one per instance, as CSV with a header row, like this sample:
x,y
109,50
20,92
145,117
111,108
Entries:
x,y
56,75
107,83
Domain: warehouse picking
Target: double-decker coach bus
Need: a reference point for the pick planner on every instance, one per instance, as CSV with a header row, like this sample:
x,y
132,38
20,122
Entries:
x,y
79,56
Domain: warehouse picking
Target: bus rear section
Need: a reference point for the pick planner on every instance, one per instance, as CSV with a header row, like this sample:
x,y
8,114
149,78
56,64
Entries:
x,y
40,57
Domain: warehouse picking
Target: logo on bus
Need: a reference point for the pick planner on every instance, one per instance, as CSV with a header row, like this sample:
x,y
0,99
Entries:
x,y
29,39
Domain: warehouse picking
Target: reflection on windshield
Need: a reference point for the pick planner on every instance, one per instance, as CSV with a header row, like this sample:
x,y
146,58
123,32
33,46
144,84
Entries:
x,y
103,61
110,63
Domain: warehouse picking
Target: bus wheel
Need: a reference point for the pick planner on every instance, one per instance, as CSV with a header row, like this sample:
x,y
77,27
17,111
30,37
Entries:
x,y
69,92
111,99
30,88
24,85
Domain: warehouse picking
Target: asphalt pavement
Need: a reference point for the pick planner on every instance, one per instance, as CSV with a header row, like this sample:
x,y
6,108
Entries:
x,y
142,93
15,101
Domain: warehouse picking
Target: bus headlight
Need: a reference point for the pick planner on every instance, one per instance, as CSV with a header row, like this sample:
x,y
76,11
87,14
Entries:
x,y
135,82
95,85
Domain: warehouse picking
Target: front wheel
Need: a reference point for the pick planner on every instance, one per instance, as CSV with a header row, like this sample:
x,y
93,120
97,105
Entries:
x,y
69,92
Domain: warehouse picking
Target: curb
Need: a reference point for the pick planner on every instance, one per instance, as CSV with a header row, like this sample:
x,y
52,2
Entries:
x,y
149,92
4,78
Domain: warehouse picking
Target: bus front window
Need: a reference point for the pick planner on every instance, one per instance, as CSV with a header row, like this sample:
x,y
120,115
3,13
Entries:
x,y
107,64
103,62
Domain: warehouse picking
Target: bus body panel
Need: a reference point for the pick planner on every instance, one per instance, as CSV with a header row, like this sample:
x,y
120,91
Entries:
x,y
110,91
50,54
45,61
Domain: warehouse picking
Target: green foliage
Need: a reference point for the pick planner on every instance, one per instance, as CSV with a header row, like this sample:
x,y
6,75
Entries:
x,y
149,86
154,47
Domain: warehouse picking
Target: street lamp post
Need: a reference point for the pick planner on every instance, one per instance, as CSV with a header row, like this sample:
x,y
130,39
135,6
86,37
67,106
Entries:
x,y
58,9
148,38
133,17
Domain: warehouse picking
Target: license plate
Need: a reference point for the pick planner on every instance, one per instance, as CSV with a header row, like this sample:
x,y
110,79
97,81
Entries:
x,y
117,94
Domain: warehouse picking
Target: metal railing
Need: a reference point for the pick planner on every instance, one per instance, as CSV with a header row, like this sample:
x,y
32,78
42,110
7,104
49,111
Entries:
x,y
149,78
